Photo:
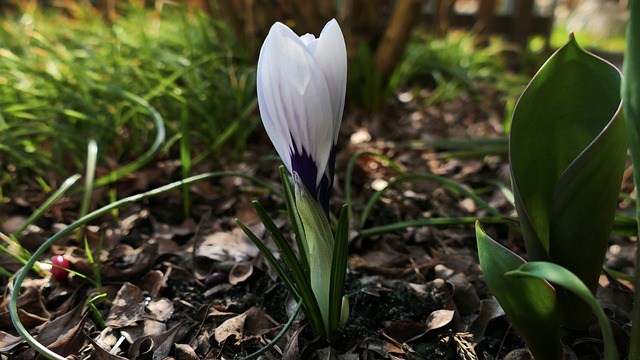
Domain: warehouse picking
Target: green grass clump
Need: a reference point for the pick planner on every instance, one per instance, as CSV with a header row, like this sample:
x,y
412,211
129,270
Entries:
x,y
61,80
457,63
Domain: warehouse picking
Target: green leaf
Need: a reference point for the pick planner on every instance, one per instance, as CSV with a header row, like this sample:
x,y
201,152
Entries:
x,y
565,278
339,269
530,304
294,217
298,276
569,102
568,150
320,243
631,98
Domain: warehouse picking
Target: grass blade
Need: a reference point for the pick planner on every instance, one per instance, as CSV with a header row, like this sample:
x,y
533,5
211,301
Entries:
x,y
339,268
298,275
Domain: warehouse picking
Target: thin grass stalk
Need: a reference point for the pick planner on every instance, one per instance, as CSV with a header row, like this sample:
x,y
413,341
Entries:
x,y
348,178
92,156
66,185
185,158
429,177
21,276
151,152
631,106
383,229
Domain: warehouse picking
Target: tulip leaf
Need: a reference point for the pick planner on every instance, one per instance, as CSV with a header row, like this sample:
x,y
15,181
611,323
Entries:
x,y
530,304
563,110
565,278
568,151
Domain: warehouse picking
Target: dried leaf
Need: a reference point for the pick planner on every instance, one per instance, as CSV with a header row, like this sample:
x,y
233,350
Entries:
x,y
54,330
153,282
160,310
489,310
232,327
240,272
101,354
185,352
403,331
127,307
439,319
8,341
156,346
73,341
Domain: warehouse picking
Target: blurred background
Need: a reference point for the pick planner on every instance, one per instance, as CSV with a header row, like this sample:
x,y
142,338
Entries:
x,y
66,65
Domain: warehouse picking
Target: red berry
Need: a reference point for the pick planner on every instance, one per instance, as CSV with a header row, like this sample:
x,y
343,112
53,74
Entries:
x,y
59,271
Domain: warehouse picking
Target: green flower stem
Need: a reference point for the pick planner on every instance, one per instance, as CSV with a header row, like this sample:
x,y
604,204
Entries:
x,y
320,244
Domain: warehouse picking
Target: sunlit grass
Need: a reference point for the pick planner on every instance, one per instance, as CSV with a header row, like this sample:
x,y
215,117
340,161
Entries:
x,y
55,69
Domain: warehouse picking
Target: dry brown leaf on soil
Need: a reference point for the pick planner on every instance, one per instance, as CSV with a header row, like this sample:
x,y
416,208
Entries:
x,y
240,272
125,260
127,308
101,354
439,319
489,310
231,327
57,328
156,346
8,342
73,341
185,352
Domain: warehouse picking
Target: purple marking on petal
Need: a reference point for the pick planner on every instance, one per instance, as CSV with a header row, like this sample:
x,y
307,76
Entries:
x,y
326,183
305,166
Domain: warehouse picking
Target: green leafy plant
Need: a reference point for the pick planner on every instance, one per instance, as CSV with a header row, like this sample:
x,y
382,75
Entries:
x,y
567,154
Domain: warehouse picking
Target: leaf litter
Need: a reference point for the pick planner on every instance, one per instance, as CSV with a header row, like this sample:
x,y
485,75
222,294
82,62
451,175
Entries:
x,y
195,287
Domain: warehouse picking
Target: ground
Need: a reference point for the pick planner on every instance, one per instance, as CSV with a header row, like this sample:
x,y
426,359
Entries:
x,y
194,287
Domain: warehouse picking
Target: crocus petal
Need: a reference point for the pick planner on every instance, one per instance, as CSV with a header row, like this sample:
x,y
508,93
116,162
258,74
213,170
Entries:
x,y
330,52
295,102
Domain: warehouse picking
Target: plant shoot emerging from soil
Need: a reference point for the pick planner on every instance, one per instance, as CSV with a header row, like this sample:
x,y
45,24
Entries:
x,y
301,83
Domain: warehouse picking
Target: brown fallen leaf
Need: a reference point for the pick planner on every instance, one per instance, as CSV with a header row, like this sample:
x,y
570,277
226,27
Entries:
x,y
73,341
439,319
232,327
240,272
185,352
156,346
8,342
30,305
404,331
101,354
127,307
489,310
54,330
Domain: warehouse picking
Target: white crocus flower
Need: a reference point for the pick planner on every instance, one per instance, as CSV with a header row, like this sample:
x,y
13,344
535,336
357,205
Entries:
x,y
301,89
